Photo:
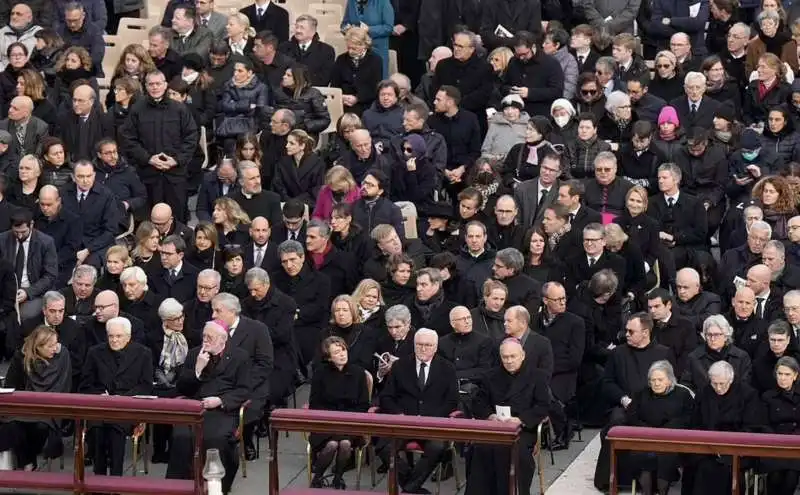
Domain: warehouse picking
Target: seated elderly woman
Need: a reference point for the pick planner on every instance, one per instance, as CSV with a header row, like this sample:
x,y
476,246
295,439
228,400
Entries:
x,y
338,385
118,367
506,128
718,346
725,403
663,404
42,365
617,123
169,348
217,374
522,388
782,403
346,323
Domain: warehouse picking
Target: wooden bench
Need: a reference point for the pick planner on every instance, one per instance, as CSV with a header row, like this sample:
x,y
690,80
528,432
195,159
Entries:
x,y
391,426
666,440
110,408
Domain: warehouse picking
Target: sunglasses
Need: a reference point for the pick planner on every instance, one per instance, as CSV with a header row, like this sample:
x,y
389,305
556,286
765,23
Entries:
x,y
664,66
588,91
407,149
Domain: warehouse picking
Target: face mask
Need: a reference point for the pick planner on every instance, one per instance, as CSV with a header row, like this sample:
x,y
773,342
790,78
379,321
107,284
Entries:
x,y
191,77
561,120
724,136
750,155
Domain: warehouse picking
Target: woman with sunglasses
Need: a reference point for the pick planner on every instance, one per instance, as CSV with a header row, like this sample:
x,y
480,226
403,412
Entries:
x,y
668,83
590,96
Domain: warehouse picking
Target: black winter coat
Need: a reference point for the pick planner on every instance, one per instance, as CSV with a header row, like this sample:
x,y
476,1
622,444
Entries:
x,y
542,75
626,370
740,409
125,185
310,110
695,376
526,392
360,81
474,77
756,108
567,335
250,101
301,182
670,410
472,354
784,143
318,57
515,16
126,372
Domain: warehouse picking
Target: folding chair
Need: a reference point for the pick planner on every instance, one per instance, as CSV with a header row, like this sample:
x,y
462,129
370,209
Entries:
x,y
333,100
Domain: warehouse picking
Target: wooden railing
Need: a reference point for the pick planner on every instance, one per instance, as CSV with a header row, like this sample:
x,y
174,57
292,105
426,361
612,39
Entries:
x,y
391,426
666,440
110,408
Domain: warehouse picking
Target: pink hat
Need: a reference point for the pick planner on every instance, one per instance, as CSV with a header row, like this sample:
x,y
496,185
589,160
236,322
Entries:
x,y
668,115
221,324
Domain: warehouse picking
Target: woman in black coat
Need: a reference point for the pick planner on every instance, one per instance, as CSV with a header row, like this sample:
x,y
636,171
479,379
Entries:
x,y
337,385
307,102
398,286
767,91
17,54
783,416
301,174
348,236
201,98
488,317
369,303
727,403
357,72
642,229
346,323
42,365
117,367
664,404
244,105
233,272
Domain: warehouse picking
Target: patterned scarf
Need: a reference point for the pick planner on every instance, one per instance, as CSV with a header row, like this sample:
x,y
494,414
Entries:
x,y
553,240
486,191
173,354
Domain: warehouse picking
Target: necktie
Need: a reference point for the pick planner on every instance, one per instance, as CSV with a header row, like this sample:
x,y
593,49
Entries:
x,y
204,22
259,256
20,135
173,274
760,307
303,48
259,12
670,202
19,263
581,60
421,376
292,235
591,261
81,200
571,218
542,197
693,111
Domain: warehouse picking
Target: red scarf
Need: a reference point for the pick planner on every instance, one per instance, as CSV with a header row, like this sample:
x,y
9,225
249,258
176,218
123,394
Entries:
x,y
319,259
763,89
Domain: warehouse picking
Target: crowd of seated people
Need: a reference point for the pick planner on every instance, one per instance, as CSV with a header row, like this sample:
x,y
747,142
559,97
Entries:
x,y
531,225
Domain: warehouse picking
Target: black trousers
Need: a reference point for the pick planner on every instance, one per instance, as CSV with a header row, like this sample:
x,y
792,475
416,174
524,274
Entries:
x,y
169,191
489,466
218,428
602,470
109,450
32,437
411,480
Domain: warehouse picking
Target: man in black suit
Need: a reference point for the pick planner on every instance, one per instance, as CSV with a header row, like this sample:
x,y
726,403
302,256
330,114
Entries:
x,y
190,37
116,366
534,196
166,224
83,127
671,329
694,110
581,44
422,385
267,304
306,48
785,277
694,303
64,226
106,306
769,300
505,228
80,294
538,349
98,210
749,331
311,291
167,60
138,299
682,217
270,64
293,225
736,261
35,260
594,258
522,290
261,253
570,194
217,374
339,266
198,311
268,16
26,129
430,297
254,200
253,337
218,183
177,279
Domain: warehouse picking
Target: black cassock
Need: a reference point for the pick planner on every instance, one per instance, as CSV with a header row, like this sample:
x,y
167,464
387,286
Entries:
x,y
528,395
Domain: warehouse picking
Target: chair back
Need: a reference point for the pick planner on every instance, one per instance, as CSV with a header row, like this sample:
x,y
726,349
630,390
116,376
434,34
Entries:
x,y
333,100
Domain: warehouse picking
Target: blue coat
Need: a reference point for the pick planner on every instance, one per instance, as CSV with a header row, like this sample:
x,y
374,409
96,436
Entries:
x,y
379,16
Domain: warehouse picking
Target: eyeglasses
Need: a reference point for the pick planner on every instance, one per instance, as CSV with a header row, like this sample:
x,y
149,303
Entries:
x,y
176,318
424,345
715,335
588,91
407,149
663,66
592,239
206,288
463,318
604,169
556,299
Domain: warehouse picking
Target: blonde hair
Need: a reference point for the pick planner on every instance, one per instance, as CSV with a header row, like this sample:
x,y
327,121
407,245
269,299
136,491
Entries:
x,y
350,303
356,34
123,254
243,20
33,343
505,55
642,192
364,286
234,212
340,175
614,235
83,55
775,64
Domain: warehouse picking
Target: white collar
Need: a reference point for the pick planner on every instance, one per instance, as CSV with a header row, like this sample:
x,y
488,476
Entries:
x,y
178,268
675,197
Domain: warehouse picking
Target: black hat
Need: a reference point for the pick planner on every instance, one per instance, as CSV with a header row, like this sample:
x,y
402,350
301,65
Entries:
x,y
440,209
750,140
725,112
193,61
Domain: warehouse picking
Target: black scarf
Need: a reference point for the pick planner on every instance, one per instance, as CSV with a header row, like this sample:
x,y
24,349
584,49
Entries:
x,y
775,44
720,355
54,375
426,308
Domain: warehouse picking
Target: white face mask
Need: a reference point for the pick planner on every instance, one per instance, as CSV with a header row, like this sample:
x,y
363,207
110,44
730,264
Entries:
x,y
561,120
190,78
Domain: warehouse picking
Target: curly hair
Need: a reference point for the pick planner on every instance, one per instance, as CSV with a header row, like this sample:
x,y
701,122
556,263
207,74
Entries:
x,y
787,198
146,64
83,55
34,84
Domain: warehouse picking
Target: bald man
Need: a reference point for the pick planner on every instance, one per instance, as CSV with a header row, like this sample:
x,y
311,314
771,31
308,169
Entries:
x,y
425,89
25,129
20,23
106,307
260,252
769,301
161,216
693,302
83,127
64,226
749,331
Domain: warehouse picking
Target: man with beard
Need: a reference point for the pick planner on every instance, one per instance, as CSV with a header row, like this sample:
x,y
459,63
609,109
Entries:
x,y
428,306
198,311
374,208
139,300
505,228
749,332
267,304
339,266
488,315
646,105
80,294
218,183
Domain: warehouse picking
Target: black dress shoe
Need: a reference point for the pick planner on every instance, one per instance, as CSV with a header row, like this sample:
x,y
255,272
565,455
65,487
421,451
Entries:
x,y
160,458
338,484
317,482
88,461
250,453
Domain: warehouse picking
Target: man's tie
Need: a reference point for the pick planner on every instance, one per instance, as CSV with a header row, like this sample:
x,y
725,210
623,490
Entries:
x,y
292,235
760,307
581,60
259,256
592,261
421,376
81,200
670,202
542,197
19,263
571,218
173,274
693,110
204,22
259,12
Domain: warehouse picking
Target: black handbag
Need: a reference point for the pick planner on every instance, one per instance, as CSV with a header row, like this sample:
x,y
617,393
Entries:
x,y
232,127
